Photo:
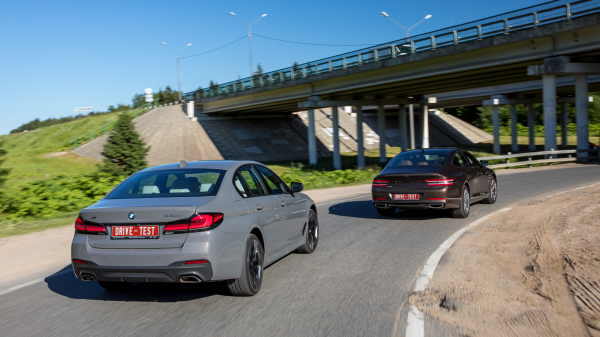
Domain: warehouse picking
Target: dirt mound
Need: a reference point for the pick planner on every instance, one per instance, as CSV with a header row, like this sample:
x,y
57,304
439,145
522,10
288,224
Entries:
x,y
531,271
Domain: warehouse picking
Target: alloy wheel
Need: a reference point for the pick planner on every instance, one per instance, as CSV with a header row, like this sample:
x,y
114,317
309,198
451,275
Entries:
x,y
255,261
313,233
466,203
493,190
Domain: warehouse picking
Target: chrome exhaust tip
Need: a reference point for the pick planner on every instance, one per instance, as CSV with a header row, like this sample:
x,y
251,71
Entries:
x,y
381,205
189,279
87,277
436,205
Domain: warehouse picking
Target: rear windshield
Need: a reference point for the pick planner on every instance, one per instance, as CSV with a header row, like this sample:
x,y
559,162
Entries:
x,y
170,183
428,157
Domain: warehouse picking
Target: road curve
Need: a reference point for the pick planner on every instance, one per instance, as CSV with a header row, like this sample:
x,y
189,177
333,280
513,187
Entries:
x,y
355,284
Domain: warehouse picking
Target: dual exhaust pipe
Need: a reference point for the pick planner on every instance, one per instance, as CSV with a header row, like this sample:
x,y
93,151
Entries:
x,y
428,205
182,279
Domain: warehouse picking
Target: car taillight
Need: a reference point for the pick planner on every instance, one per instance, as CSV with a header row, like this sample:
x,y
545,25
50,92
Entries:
x,y
440,182
380,183
82,228
197,223
378,198
79,261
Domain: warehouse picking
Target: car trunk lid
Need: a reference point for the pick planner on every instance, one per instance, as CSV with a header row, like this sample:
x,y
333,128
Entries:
x,y
155,211
410,178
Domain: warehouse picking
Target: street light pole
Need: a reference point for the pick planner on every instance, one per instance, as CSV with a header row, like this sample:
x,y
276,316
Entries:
x,y
406,30
249,37
178,71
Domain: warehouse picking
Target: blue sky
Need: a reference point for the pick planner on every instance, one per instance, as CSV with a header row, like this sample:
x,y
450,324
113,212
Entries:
x,y
58,55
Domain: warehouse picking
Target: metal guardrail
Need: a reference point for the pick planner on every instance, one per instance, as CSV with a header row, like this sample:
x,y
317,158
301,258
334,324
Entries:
x,y
102,130
506,23
552,157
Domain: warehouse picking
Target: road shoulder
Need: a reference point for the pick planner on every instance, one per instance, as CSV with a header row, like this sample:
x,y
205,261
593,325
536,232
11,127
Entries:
x,y
531,271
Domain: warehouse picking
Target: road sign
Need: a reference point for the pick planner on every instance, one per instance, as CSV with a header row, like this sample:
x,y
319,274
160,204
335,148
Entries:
x,y
149,96
85,108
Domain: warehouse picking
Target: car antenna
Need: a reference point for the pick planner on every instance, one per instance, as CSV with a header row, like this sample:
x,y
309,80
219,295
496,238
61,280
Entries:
x,y
182,164
422,151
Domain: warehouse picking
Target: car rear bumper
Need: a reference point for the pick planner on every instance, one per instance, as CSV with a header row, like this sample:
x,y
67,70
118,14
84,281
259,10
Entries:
x,y
447,203
172,273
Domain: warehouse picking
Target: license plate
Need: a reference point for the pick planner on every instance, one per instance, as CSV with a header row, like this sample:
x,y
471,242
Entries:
x,y
135,232
406,197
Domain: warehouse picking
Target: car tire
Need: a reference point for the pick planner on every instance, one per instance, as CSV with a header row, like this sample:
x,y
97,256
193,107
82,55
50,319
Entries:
x,y
465,205
250,281
115,286
312,234
386,211
492,192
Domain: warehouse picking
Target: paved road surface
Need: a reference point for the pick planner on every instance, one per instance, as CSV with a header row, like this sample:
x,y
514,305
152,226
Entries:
x,y
355,284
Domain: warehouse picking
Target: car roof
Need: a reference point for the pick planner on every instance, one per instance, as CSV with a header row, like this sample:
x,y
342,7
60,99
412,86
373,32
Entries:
x,y
446,149
203,164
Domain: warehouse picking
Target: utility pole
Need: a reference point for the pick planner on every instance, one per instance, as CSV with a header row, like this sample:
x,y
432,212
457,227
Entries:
x,y
177,61
249,37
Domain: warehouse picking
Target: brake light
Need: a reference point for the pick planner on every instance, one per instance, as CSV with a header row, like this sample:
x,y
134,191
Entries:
x,y
380,183
82,228
378,198
440,182
196,262
197,223
79,261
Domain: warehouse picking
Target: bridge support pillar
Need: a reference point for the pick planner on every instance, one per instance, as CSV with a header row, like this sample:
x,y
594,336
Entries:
x,y
337,160
564,124
360,149
312,139
531,126
402,127
549,95
581,107
513,129
411,121
425,126
382,138
496,127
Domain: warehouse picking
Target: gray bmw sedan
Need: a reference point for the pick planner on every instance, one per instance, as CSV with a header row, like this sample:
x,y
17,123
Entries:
x,y
194,222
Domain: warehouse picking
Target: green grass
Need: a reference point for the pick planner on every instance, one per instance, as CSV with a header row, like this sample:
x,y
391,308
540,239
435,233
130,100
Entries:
x,y
9,228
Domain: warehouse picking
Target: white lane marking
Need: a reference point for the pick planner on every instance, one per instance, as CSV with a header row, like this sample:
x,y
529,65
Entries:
x,y
337,201
6,291
415,322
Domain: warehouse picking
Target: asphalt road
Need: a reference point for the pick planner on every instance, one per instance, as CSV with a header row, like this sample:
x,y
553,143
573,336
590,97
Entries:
x,y
355,284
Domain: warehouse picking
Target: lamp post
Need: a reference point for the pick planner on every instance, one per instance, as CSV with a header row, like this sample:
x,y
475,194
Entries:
x,y
178,72
410,106
249,36
406,30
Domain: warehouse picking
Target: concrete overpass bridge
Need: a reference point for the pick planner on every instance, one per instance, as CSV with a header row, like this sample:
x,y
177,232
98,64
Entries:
x,y
526,56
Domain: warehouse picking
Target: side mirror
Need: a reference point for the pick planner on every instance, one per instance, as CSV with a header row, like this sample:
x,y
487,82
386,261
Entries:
x,y
297,187
484,163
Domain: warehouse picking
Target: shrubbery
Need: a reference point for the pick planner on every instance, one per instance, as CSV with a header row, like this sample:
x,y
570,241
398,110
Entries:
x,y
321,179
46,198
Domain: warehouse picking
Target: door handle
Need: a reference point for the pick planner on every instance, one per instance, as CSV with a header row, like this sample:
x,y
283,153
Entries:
x,y
259,206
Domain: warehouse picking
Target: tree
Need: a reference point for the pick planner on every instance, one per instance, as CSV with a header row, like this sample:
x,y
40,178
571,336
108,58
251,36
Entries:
x,y
295,66
124,150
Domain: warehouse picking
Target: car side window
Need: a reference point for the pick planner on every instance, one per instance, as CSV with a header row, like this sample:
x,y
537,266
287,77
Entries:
x,y
276,185
241,185
252,180
458,160
472,161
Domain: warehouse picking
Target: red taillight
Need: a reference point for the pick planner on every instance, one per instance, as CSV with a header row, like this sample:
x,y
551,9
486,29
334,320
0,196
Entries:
x,y
202,221
440,182
79,261
196,262
198,222
82,228
380,183
378,198
438,199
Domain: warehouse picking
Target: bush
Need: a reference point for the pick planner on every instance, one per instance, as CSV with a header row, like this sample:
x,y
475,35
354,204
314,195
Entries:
x,y
46,198
321,179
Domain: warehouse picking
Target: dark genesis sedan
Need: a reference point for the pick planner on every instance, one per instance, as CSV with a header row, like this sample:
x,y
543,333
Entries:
x,y
443,178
